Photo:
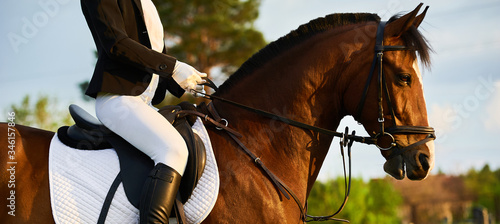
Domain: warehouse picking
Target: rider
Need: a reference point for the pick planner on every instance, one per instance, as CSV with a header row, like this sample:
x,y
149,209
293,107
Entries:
x,y
131,74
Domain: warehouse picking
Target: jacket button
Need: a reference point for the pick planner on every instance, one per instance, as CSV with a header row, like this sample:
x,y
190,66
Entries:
x,y
163,67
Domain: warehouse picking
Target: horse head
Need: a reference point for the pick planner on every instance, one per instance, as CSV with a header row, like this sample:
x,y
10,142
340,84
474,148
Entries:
x,y
327,69
392,107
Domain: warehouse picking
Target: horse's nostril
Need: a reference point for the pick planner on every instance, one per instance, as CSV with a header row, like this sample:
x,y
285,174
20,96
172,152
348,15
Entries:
x,y
424,161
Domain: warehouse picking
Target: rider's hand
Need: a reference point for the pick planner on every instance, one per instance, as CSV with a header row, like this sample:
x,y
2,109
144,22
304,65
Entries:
x,y
188,77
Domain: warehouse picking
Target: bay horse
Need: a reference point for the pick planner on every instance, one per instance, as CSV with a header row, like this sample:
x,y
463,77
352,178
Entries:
x,y
315,75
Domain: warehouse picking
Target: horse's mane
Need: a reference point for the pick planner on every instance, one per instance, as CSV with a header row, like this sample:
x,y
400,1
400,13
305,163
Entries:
x,y
306,31
295,37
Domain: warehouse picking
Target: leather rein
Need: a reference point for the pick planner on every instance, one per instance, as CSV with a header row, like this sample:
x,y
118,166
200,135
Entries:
x,y
346,139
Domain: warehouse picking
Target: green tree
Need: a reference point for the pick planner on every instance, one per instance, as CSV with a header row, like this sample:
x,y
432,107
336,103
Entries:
x,y
326,198
485,186
373,202
42,114
383,202
208,34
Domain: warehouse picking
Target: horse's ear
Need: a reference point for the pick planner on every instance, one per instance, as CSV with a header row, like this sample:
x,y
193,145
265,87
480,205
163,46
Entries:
x,y
420,18
401,25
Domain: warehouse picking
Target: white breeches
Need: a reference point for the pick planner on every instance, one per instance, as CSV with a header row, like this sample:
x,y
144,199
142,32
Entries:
x,y
142,126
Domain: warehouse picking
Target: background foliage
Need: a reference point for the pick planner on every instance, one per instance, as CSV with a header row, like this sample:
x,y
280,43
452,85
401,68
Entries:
x,y
208,34
43,113
484,185
438,199
375,201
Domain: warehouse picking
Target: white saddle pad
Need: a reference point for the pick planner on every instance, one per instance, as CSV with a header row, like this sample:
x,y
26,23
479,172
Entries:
x,y
80,180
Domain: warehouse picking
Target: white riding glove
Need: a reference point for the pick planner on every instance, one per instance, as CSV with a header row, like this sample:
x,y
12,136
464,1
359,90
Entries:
x,y
188,77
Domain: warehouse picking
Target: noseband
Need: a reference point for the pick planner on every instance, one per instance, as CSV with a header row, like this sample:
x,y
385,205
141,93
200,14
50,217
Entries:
x,y
382,87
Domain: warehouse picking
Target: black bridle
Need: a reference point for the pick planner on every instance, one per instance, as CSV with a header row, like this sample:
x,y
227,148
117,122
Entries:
x,y
383,90
346,138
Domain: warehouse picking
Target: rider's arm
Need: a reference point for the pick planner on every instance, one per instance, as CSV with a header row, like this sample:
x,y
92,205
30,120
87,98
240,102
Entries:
x,y
106,18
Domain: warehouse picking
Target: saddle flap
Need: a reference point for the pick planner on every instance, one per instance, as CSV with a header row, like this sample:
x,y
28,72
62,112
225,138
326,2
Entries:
x,y
134,168
196,160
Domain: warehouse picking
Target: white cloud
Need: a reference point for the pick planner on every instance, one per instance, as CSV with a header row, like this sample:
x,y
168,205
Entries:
x,y
443,118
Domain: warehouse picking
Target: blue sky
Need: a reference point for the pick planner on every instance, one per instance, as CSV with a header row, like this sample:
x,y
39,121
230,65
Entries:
x,y
46,48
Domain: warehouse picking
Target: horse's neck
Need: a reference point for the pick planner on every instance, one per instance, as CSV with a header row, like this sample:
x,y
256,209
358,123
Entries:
x,y
306,91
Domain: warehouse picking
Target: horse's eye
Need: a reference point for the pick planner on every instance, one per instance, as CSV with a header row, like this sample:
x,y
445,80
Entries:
x,y
405,79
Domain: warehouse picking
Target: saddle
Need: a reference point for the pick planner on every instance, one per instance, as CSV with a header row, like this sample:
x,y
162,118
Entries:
x,y
90,134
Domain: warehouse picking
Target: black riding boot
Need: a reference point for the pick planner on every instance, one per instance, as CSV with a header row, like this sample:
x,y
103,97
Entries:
x,y
158,194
